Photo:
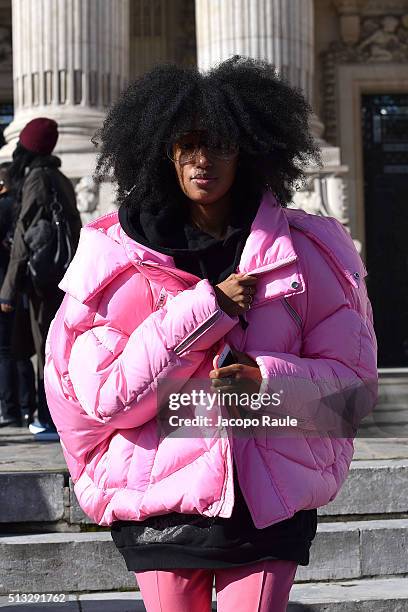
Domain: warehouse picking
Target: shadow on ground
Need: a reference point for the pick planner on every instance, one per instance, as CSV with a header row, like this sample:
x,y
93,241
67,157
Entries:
x,y
123,605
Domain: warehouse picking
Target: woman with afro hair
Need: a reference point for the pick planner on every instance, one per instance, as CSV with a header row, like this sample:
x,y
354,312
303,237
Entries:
x,y
204,254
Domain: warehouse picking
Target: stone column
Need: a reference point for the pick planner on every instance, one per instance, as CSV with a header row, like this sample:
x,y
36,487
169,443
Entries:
x,y
281,32
70,60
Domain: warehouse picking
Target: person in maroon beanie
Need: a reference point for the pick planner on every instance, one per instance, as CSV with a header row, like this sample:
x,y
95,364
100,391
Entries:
x,y
17,378
34,174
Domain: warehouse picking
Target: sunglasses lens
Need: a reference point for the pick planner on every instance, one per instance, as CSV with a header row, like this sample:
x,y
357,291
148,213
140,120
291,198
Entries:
x,y
185,152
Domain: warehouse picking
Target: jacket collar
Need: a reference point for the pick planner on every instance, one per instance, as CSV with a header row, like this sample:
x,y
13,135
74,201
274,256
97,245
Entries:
x,y
270,255
268,249
45,161
269,245
97,261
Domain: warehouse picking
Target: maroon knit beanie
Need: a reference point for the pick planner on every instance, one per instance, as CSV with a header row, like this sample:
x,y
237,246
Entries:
x,y
39,135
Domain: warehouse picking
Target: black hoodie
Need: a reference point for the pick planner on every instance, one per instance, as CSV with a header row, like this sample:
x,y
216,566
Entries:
x,y
192,249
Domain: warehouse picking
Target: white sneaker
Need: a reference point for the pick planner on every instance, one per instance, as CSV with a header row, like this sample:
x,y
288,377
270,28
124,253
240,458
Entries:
x,y
36,427
44,432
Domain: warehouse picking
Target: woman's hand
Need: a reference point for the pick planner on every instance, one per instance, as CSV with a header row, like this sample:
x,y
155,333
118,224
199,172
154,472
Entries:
x,y
237,377
241,377
236,293
6,308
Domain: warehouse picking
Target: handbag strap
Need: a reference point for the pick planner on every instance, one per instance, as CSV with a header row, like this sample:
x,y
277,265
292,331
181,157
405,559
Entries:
x,y
52,189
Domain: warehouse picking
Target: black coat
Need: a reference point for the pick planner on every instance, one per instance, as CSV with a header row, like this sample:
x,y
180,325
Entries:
x,y
7,220
35,198
22,341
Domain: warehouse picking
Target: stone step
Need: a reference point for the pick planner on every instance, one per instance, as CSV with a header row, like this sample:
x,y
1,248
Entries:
x,y
32,497
372,487
350,549
56,561
364,595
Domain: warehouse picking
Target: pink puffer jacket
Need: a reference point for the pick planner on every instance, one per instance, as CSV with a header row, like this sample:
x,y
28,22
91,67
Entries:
x,y
130,319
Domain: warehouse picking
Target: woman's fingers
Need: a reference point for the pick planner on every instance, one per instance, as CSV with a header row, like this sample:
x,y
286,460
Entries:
x,y
237,372
235,295
247,292
227,371
247,280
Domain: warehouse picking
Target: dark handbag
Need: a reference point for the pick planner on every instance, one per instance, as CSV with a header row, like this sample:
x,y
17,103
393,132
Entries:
x,y
50,244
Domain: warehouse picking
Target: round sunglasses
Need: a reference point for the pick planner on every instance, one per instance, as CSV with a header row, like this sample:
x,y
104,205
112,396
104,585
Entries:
x,y
185,152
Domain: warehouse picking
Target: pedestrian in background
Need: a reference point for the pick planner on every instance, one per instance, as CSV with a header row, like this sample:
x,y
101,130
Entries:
x,y
204,251
17,386
36,175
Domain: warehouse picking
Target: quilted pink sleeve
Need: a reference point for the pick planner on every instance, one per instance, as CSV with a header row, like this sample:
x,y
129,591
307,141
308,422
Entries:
x,y
115,377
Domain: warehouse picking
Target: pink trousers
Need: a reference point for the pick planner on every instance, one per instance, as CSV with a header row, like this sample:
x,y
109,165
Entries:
x,y
257,587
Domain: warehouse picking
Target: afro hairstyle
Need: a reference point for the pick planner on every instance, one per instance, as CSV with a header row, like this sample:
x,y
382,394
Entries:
x,y
240,101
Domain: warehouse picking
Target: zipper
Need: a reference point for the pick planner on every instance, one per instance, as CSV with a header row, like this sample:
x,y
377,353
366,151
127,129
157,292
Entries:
x,y
243,322
293,312
245,331
197,332
260,303
167,269
161,299
261,270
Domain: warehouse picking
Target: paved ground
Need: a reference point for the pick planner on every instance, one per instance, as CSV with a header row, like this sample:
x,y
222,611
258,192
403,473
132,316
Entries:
x,y
388,594
93,602
113,602
19,452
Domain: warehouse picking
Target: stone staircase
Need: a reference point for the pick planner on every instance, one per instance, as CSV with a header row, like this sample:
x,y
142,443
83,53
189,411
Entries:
x,y
358,560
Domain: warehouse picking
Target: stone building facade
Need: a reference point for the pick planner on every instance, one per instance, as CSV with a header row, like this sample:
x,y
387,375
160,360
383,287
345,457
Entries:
x,y
68,59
